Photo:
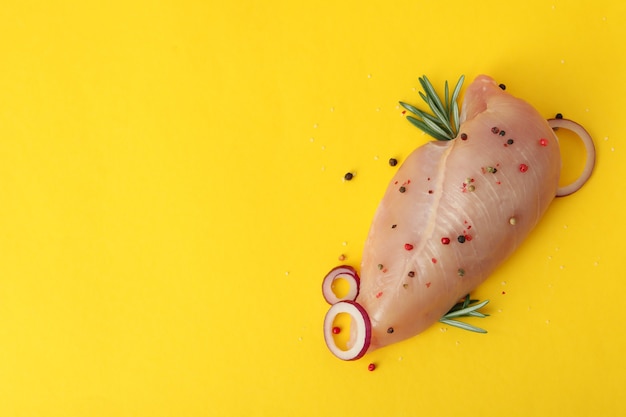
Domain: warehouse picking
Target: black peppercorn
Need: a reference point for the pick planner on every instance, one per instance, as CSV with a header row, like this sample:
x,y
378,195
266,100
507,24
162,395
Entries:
x,y
461,239
348,176
393,162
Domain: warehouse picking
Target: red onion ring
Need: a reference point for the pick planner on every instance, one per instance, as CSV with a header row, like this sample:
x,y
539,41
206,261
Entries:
x,y
360,330
340,272
589,148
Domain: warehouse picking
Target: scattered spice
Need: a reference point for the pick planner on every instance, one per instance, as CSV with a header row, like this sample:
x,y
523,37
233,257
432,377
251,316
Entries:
x,y
502,86
393,226
405,286
348,176
380,266
434,260
523,168
463,136
471,188
402,189
428,284
559,116
390,330
411,274
495,130
543,142
445,240
510,142
371,367
512,221
342,257
461,239
502,133
393,162
461,272
336,330
408,246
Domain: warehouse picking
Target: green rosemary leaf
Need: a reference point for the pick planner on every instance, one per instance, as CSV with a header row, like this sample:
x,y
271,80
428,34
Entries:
x,y
466,301
466,310
431,93
425,128
437,128
446,95
443,123
477,314
410,108
443,120
455,117
463,326
457,89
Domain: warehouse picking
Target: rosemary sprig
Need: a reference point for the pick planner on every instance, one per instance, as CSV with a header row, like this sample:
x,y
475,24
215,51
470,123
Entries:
x,y
443,123
465,308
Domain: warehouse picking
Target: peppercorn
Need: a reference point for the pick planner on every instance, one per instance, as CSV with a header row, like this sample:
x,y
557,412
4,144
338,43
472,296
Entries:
x,y
393,162
348,176
411,274
402,189
390,330
502,86
510,141
461,239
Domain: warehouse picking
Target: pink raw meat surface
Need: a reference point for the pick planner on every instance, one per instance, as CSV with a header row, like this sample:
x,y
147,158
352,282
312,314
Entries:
x,y
487,188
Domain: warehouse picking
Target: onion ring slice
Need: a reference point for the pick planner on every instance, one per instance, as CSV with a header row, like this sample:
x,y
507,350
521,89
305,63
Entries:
x,y
341,272
589,149
360,331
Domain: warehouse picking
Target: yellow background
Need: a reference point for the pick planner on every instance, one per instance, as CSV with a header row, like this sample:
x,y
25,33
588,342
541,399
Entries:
x,y
171,195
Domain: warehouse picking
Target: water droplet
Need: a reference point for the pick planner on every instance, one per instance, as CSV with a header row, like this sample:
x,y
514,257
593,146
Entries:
x,y
377,108
400,358
547,321
562,61
344,243
503,283
375,157
315,125
369,75
606,138
323,147
332,109
562,267
595,263
323,168
564,226
311,140
612,149
286,273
